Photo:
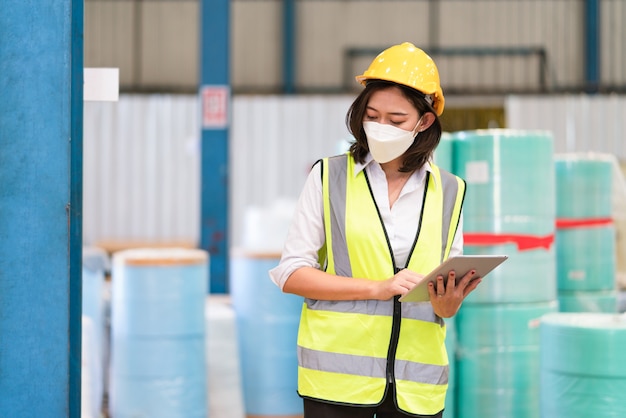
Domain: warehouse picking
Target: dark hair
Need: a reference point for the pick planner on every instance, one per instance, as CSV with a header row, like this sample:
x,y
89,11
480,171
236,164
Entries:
x,y
420,151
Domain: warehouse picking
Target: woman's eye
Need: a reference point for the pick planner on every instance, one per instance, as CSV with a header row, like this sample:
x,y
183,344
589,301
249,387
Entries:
x,y
369,117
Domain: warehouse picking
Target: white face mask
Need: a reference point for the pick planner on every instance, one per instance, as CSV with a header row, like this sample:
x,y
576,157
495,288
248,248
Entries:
x,y
386,142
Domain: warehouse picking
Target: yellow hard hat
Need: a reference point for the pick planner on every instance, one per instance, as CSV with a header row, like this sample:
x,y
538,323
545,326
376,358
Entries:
x,y
410,66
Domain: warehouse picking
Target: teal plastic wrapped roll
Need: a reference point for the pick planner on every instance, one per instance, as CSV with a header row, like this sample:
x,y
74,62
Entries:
x,y
583,372
502,384
158,338
497,326
509,209
451,343
585,344
443,153
510,180
583,186
567,396
586,258
267,328
588,301
498,352
527,276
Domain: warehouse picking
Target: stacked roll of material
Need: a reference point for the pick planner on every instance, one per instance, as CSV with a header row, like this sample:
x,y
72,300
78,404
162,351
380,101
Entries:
x,y
509,209
583,372
267,329
451,343
95,265
158,338
498,360
443,155
585,237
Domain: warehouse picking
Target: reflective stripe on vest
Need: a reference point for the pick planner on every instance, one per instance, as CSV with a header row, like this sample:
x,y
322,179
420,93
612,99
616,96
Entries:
x,y
343,345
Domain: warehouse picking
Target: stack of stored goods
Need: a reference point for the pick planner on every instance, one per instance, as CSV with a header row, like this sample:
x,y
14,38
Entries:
x,y
619,217
267,319
443,155
158,338
509,209
267,329
95,264
583,372
450,406
443,158
585,237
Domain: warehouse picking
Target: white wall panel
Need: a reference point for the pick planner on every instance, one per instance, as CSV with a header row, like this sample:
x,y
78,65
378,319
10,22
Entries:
x,y
579,123
141,154
141,161
274,142
141,170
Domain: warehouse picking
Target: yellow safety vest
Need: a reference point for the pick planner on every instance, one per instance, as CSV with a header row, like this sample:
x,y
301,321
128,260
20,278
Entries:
x,y
349,350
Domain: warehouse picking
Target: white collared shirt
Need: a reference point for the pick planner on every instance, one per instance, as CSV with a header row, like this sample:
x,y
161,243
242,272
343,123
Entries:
x,y
306,232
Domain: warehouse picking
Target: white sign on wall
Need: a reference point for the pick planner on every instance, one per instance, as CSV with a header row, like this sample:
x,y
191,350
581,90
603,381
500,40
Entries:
x,y
101,84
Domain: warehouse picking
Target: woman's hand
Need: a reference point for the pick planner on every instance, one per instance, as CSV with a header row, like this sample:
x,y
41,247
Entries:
x,y
447,299
399,284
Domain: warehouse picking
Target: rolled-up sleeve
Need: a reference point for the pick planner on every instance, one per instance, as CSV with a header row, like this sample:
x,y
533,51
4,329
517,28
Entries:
x,y
306,231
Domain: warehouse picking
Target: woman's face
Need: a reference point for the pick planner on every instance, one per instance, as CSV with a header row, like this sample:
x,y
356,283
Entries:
x,y
389,106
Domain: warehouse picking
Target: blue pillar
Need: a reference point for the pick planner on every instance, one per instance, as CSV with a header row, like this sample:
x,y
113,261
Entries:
x,y
40,207
592,45
215,99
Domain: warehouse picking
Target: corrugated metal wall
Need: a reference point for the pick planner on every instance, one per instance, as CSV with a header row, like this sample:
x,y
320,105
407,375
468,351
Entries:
x,y
141,155
583,123
579,123
141,170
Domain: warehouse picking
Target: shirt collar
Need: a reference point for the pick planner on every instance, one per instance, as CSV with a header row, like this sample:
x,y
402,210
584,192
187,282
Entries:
x,y
358,167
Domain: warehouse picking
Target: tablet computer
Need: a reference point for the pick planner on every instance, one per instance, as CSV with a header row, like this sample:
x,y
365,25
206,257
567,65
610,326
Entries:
x,y
461,264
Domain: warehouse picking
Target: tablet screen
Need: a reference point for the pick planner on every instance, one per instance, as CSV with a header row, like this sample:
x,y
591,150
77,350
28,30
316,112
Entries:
x,y
461,264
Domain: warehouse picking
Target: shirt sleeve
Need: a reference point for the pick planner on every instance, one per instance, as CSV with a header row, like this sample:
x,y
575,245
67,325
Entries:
x,y
306,231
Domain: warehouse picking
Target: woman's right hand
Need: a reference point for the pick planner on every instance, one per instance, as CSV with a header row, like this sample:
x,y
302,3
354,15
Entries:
x,y
398,284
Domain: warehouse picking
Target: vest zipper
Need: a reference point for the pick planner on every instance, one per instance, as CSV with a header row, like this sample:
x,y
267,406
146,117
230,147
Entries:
x,y
395,336
397,308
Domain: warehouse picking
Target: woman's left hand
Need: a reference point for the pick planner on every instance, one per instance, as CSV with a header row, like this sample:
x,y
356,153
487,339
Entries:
x,y
447,299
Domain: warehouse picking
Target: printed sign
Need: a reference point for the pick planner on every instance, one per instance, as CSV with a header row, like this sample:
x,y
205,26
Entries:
x,y
215,101
101,84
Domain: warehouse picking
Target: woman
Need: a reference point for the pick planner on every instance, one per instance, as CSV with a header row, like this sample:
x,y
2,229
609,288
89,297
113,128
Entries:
x,y
368,226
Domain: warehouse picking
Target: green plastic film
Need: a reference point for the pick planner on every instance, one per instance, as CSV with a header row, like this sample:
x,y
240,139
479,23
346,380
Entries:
x,y
584,344
588,301
510,180
527,276
498,354
583,186
451,343
571,396
443,152
586,258
499,327
499,384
